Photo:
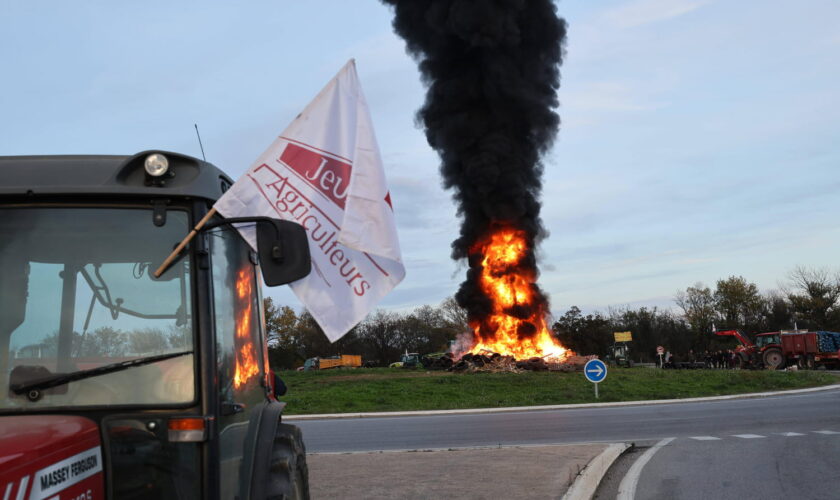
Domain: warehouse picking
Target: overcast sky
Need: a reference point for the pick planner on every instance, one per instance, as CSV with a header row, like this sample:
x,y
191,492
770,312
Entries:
x,y
699,137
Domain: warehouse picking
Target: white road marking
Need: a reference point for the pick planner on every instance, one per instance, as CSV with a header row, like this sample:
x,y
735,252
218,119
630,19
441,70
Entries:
x,y
748,436
627,488
826,432
789,434
705,438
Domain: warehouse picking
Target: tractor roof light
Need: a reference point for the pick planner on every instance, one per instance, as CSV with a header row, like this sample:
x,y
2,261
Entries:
x,y
156,165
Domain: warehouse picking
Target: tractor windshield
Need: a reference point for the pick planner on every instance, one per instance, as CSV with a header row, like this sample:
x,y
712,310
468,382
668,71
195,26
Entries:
x,y
765,340
77,293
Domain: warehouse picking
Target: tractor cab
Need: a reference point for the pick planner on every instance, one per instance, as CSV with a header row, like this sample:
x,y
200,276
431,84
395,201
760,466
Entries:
x,y
132,386
763,340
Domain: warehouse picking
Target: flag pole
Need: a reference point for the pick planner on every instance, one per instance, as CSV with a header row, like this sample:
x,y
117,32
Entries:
x,y
163,267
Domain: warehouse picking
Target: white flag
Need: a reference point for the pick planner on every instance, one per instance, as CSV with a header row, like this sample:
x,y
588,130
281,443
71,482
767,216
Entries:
x,y
325,173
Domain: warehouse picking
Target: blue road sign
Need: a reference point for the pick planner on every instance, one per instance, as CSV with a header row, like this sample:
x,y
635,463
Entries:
x,y
595,370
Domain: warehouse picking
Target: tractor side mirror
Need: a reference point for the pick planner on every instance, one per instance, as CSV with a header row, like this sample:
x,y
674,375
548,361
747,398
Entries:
x,y
283,249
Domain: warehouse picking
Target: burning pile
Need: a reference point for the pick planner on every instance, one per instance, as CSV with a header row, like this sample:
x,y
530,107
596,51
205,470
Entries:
x,y
495,362
492,70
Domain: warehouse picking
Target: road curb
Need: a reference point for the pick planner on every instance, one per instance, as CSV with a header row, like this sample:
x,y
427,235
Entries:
x,y
473,411
590,477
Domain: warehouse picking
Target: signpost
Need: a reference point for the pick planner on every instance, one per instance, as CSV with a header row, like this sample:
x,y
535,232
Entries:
x,y
659,352
595,371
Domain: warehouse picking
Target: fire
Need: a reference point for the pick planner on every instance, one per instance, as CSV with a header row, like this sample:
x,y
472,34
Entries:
x,y
517,324
246,355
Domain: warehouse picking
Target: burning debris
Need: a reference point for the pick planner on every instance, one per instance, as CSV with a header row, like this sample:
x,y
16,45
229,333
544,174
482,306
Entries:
x,y
492,71
494,362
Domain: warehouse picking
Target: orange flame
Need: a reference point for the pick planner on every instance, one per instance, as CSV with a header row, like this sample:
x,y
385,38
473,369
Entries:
x,y
246,354
517,325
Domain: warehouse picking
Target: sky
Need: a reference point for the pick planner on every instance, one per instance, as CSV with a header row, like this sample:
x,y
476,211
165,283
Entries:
x,y
699,138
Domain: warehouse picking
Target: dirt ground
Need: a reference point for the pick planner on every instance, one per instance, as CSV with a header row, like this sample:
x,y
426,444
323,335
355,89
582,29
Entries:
x,y
525,472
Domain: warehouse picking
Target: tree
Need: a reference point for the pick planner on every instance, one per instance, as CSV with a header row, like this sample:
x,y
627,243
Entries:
x,y
380,333
105,341
778,313
652,328
146,341
698,306
282,335
813,294
280,323
739,304
590,334
454,315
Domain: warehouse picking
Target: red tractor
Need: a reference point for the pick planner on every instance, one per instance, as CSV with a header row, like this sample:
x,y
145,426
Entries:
x,y
115,383
766,352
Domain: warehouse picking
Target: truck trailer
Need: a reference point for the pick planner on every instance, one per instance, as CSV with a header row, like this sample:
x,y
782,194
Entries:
x,y
809,350
342,361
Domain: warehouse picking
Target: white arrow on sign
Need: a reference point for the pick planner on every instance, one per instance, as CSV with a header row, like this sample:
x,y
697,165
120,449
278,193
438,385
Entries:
x,y
597,370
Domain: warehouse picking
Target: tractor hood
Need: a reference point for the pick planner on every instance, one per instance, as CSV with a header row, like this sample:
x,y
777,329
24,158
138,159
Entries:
x,y
44,455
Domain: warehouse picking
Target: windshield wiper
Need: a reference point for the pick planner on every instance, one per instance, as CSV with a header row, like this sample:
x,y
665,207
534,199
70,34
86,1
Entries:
x,y
35,389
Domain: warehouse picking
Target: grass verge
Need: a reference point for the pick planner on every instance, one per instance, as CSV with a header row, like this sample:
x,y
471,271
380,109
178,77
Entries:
x,y
383,389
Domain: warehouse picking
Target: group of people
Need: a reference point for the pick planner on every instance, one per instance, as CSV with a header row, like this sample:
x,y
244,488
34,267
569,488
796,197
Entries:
x,y
723,359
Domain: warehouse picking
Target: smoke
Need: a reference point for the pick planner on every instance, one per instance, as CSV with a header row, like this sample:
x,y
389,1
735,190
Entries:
x,y
492,72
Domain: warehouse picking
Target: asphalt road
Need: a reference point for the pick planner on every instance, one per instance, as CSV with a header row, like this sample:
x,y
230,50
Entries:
x,y
801,465
769,416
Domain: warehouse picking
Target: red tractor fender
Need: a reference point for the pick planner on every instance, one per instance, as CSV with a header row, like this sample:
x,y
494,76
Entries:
x,y
50,456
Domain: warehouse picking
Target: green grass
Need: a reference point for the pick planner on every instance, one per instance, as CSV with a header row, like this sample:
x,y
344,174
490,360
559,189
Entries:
x,y
383,389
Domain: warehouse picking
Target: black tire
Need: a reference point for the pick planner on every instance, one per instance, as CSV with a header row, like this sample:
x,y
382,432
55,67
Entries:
x,y
809,362
773,359
289,476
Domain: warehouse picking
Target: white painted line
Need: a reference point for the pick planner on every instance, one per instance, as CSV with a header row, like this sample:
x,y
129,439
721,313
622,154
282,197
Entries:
x,y
826,432
588,480
748,436
790,434
705,438
473,411
627,488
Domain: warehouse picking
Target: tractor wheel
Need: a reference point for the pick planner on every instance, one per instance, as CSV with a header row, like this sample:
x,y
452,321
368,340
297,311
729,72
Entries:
x,y
809,362
773,359
289,476
741,363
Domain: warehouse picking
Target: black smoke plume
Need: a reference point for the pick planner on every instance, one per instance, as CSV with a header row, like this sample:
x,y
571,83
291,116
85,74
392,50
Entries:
x,y
492,72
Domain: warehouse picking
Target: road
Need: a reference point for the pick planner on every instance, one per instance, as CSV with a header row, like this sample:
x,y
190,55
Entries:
x,y
776,447
785,465
792,413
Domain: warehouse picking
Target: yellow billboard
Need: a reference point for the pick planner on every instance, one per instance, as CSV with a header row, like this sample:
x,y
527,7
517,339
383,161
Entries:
x,y
623,336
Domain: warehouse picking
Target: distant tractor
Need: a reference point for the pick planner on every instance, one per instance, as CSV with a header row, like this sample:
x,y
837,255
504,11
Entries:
x,y
766,352
407,360
621,354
